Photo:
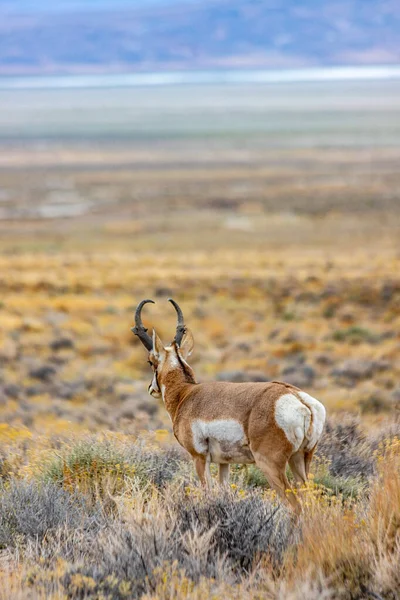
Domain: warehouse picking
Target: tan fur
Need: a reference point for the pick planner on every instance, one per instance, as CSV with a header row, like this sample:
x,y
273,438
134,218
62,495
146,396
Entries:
x,y
250,404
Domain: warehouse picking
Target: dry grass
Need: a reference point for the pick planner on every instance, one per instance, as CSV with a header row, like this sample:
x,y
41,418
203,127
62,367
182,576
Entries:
x,y
67,351
161,536
302,284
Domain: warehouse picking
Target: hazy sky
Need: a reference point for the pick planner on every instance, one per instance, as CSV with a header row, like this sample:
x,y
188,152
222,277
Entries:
x,y
63,5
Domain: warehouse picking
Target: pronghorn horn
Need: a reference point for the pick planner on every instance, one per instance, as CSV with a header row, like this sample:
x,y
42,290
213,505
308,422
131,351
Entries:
x,y
139,329
180,326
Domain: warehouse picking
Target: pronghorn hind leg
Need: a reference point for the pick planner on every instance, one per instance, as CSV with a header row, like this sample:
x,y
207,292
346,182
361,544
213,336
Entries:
x,y
297,465
308,458
202,465
224,474
275,473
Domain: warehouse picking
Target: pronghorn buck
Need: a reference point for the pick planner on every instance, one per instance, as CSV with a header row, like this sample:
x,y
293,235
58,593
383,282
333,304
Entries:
x,y
269,424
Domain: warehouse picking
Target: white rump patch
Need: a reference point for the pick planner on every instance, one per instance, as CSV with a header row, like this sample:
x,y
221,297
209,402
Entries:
x,y
222,430
318,420
293,418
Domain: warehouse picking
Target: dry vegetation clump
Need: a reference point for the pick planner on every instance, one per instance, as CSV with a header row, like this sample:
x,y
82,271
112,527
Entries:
x,y
30,511
198,537
243,529
140,540
98,466
347,448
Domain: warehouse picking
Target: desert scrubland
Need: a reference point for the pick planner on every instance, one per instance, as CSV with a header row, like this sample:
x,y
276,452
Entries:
x,y
284,254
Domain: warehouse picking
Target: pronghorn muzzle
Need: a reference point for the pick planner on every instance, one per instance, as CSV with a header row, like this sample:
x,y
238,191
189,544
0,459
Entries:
x,y
154,388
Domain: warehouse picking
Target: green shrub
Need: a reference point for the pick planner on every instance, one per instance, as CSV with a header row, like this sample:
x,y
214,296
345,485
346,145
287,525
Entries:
x,y
101,468
355,335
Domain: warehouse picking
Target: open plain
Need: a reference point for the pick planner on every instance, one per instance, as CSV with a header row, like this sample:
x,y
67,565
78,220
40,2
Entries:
x,y
283,250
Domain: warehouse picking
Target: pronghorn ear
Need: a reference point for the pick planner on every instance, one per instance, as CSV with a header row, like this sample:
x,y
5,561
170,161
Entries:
x,y
158,346
187,344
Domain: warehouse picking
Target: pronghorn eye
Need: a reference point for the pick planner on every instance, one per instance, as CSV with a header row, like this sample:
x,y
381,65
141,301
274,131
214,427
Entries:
x,y
150,363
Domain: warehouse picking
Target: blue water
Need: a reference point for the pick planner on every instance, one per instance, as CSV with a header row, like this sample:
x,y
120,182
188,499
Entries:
x,y
309,107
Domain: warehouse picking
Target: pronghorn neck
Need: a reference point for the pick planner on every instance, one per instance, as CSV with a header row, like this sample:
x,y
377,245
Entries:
x,y
175,383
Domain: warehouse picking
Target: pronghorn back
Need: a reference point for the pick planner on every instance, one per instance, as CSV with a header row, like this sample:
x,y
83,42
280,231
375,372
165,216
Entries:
x,y
243,414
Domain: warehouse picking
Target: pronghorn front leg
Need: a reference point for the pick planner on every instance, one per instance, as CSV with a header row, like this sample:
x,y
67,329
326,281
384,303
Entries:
x,y
224,474
202,464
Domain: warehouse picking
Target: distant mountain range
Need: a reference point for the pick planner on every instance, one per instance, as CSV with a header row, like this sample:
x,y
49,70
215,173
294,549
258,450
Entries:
x,y
84,36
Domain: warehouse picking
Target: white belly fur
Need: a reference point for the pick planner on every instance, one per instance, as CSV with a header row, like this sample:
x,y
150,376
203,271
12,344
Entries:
x,y
223,439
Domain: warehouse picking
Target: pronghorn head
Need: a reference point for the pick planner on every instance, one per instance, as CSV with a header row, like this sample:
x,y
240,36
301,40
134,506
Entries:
x,y
168,362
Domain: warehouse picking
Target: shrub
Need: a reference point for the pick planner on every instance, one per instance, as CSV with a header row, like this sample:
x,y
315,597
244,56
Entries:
x,y
376,403
244,528
346,487
94,468
355,335
159,467
30,510
217,536
346,449
101,468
